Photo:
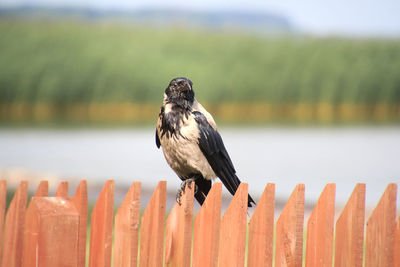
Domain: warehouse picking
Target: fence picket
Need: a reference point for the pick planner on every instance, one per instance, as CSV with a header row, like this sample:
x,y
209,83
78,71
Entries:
x,y
289,231
42,189
320,230
126,229
397,244
14,228
232,242
380,230
178,237
3,195
31,222
62,190
101,228
207,228
261,230
349,235
152,229
80,201
48,222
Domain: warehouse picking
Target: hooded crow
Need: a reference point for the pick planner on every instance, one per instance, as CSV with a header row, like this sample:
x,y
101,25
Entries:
x,y
191,143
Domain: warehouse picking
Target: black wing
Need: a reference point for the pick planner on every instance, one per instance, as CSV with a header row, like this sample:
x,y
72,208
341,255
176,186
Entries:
x,y
212,146
158,143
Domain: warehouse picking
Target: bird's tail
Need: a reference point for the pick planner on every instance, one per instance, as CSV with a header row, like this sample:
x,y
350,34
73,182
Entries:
x,y
232,184
250,201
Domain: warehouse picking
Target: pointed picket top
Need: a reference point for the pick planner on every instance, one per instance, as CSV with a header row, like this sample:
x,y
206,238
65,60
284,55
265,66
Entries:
x,y
62,190
42,189
232,242
349,231
126,229
3,199
101,228
379,250
178,237
261,230
289,231
80,200
14,227
320,230
152,229
397,244
207,229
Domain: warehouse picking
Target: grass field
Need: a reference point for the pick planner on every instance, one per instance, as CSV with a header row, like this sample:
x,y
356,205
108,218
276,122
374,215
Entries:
x,y
103,72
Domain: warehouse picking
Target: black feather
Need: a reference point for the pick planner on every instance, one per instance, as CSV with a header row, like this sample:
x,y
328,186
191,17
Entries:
x,y
203,187
158,143
213,148
171,121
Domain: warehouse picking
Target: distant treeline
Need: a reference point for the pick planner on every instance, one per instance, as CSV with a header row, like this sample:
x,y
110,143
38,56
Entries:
x,y
76,69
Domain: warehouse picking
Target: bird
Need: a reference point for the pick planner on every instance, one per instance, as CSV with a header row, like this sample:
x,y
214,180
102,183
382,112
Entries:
x,y
191,143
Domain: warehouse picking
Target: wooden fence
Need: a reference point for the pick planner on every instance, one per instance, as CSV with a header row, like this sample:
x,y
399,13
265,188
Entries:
x,y
52,231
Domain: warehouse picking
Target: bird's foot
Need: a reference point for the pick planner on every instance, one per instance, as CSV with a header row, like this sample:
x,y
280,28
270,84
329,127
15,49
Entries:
x,y
187,182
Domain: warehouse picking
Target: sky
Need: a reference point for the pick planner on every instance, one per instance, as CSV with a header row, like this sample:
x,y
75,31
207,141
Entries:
x,y
327,17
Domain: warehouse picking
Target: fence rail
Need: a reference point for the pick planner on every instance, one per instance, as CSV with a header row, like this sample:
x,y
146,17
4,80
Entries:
x,y
51,231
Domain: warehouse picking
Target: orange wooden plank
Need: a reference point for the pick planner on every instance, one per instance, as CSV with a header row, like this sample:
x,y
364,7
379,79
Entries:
x,y
126,229
42,189
261,230
289,231
62,190
381,230
207,228
101,228
320,230
51,233
178,238
80,201
32,226
233,230
14,228
349,235
3,194
152,229
397,245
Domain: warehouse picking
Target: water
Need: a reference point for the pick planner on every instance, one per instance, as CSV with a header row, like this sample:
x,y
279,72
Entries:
x,y
284,156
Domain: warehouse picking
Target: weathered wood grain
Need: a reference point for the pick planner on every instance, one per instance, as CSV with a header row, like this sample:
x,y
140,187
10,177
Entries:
x,y
379,247
207,230
261,230
178,237
51,235
349,235
101,228
152,229
126,229
232,243
14,228
289,231
319,250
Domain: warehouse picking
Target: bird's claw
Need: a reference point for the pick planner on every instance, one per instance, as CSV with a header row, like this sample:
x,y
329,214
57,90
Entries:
x,y
181,191
178,197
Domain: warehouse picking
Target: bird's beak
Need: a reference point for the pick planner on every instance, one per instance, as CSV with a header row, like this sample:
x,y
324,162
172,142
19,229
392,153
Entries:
x,y
187,86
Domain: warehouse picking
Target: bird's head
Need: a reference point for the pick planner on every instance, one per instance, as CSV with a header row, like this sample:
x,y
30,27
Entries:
x,y
180,91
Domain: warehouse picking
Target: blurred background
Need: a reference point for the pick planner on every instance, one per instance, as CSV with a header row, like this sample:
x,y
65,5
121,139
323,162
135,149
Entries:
x,y
302,91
